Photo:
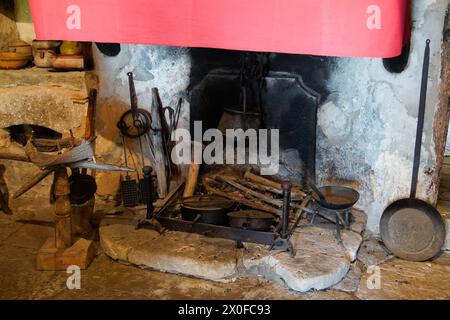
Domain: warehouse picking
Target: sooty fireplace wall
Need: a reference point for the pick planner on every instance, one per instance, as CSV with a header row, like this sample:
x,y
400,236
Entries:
x,y
292,91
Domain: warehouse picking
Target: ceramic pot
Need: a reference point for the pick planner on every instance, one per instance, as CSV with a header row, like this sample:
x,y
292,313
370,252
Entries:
x,y
13,60
71,48
20,47
44,58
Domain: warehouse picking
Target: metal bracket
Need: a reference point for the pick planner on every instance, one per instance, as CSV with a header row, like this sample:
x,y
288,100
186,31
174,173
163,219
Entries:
x,y
283,245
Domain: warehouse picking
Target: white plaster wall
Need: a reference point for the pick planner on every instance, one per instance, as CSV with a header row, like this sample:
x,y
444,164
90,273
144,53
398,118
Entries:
x,y
24,21
367,128
166,68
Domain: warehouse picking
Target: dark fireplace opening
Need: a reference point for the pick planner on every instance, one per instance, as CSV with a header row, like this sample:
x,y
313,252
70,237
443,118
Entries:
x,y
294,87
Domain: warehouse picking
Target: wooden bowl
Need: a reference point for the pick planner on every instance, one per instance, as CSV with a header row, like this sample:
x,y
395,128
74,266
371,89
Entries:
x,y
12,60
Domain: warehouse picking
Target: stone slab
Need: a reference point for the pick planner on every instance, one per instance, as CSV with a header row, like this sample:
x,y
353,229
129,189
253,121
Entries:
x,y
373,252
173,252
350,283
320,262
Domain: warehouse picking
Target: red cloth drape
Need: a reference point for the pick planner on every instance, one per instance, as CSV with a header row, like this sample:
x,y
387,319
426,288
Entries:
x,y
364,28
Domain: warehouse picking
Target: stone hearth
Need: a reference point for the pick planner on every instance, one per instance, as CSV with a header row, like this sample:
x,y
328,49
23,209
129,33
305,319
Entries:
x,y
320,261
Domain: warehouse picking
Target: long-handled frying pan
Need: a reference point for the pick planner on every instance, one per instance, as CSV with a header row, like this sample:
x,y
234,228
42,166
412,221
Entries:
x,y
411,228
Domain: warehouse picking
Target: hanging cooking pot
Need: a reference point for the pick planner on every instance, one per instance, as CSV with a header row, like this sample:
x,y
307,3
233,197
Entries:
x,y
251,220
239,117
206,209
411,228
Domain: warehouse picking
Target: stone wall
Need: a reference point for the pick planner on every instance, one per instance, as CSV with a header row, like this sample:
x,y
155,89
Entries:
x,y
8,28
166,68
53,100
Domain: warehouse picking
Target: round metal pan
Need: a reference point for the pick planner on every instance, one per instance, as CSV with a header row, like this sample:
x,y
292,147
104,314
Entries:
x,y
412,229
337,197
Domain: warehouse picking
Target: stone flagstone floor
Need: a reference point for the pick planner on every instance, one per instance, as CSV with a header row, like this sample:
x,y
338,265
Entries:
x,y
108,279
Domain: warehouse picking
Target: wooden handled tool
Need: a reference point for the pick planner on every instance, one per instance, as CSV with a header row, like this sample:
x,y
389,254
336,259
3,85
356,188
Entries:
x,y
191,183
89,131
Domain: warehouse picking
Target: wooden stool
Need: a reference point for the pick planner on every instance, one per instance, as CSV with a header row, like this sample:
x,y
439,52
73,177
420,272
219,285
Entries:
x,y
61,251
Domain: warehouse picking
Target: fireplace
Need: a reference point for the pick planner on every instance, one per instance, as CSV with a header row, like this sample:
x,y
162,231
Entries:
x,y
328,77
292,90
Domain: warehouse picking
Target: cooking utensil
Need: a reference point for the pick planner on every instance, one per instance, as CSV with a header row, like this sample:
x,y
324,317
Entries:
x,y
135,122
335,197
239,118
211,209
251,220
128,187
251,81
317,191
89,129
147,191
411,228
191,181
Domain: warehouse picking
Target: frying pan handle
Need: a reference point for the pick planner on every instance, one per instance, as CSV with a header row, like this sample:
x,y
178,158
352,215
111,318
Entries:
x,y
317,191
420,118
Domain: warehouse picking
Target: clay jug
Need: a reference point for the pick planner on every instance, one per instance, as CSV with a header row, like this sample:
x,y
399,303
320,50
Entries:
x,y
69,48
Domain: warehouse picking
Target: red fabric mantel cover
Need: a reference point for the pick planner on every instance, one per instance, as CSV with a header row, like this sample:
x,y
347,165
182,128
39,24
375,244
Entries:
x,y
363,28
